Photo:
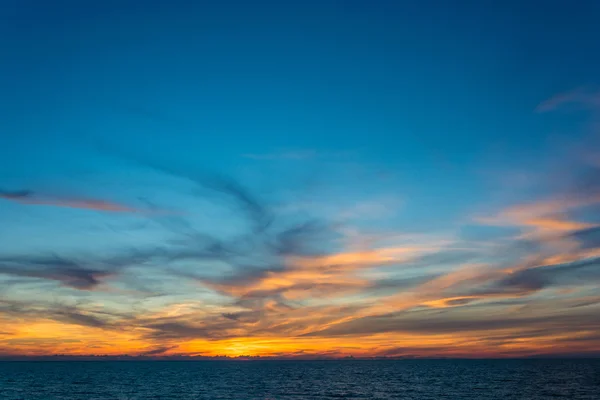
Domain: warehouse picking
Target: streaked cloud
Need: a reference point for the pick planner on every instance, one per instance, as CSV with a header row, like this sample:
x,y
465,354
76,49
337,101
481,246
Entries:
x,y
300,154
586,99
543,217
28,197
284,155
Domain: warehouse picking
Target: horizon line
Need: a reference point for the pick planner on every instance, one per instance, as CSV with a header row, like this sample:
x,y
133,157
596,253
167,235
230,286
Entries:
x,y
17,358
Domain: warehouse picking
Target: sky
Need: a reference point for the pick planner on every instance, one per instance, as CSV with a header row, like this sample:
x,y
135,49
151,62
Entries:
x,y
299,178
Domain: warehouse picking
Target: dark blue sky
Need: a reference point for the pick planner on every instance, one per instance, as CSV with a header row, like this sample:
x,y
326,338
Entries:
x,y
410,85
434,96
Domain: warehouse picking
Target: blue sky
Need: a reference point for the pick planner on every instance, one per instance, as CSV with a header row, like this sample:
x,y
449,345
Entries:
x,y
412,122
404,85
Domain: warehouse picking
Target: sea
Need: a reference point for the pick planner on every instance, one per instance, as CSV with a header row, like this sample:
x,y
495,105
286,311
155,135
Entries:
x,y
530,379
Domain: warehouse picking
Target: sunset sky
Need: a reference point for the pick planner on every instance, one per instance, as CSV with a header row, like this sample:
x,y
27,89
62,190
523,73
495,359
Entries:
x,y
300,178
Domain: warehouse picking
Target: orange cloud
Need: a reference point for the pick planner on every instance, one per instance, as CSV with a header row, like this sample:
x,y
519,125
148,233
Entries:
x,y
97,205
431,293
323,276
360,259
543,217
31,198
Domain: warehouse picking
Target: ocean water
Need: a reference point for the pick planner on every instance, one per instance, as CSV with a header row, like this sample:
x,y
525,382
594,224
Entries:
x,y
274,380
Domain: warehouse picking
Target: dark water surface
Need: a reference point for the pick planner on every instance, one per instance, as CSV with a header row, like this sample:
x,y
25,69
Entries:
x,y
405,379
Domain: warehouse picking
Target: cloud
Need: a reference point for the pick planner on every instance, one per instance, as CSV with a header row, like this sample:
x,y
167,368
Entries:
x,y
68,272
545,219
178,330
83,272
29,197
285,155
582,98
77,318
303,239
157,351
431,322
588,238
580,272
67,314
472,283
300,155
232,193
316,276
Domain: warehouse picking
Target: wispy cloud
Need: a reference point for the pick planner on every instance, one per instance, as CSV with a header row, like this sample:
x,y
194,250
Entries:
x,y
543,217
582,98
284,155
299,155
29,197
84,273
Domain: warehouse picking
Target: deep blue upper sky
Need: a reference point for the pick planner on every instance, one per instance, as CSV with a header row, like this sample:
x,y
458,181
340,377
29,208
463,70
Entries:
x,y
436,94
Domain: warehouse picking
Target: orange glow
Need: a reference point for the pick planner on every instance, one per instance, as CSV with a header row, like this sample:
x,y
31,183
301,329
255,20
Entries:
x,y
50,337
45,338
